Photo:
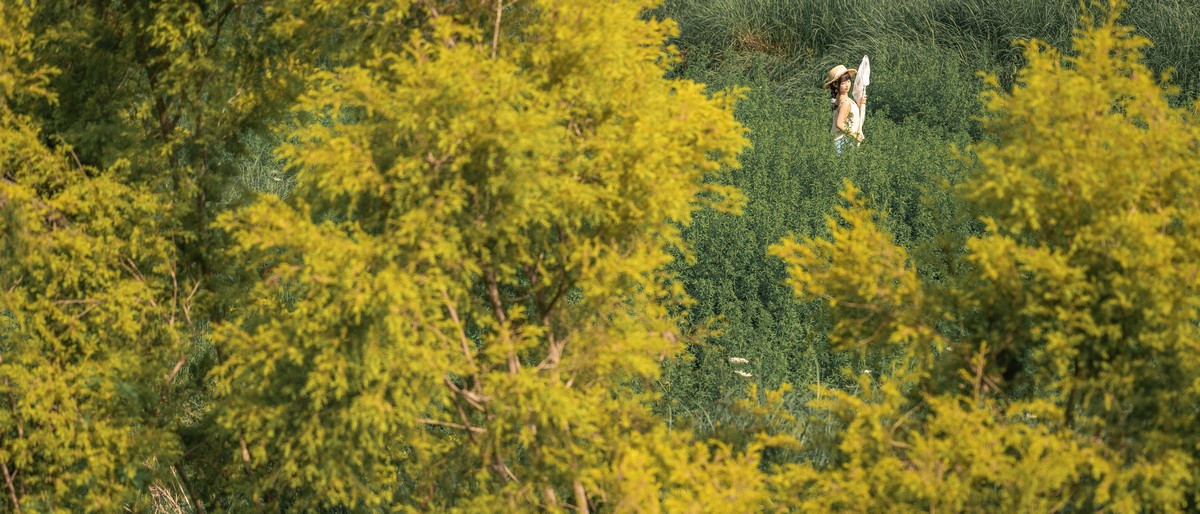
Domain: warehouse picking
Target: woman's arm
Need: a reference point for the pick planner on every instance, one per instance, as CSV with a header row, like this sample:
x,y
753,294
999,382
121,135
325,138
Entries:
x,y
843,112
862,103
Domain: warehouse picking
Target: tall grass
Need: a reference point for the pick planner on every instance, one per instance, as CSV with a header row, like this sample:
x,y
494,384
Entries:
x,y
925,56
906,37
1171,25
791,178
261,171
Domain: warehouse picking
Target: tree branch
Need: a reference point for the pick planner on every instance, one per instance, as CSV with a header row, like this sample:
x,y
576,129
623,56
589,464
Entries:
x,y
188,491
12,491
469,428
503,468
432,9
462,336
245,457
16,285
514,364
494,294
581,501
476,400
554,355
175,370
496,31
547,307
462,414
219,23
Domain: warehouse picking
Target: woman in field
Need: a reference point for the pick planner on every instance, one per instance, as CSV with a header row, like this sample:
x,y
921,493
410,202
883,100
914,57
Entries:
x,y
847,115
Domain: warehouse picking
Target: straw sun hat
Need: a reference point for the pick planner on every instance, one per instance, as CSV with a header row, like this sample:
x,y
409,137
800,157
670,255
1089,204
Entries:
x,y
836,72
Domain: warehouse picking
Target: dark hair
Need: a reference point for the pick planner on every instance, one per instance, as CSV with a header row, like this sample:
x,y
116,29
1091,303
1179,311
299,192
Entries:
x,y
835,88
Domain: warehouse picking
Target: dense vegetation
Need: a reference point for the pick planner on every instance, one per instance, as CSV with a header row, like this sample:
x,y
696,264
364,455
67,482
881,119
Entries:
x,y
377,255
927,58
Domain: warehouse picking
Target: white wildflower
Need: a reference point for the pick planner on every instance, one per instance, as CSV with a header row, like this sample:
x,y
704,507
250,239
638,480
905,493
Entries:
x,y
737,360
742,373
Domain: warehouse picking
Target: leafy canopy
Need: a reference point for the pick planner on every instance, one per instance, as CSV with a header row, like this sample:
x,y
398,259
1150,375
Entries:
x,y
459,307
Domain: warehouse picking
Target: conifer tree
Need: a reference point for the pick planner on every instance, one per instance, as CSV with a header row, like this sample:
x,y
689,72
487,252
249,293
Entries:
x,y
462,302
87,318
460,307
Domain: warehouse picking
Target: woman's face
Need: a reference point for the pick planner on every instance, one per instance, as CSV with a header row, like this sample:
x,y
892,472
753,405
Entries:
x,y
844,84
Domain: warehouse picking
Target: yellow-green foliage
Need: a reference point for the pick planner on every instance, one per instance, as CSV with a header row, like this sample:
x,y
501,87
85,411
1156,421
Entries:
x,y
1060,369
459,303
861,271
460,307
463,305
73,275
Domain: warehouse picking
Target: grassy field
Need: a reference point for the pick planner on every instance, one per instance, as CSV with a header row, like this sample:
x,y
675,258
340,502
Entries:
x,y
910,38
927,56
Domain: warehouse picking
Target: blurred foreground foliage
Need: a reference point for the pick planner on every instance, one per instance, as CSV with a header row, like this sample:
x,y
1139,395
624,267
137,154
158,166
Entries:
x,y
485,257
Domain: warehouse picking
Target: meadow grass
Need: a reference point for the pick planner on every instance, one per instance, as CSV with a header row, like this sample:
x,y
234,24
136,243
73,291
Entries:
x,y
904,37
791,177
926,57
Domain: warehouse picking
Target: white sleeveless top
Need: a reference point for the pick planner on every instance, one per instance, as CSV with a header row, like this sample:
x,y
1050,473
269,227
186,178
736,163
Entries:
x,y
853,120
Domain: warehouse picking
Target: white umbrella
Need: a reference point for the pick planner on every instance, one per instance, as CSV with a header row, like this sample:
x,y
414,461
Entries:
x,y
861,81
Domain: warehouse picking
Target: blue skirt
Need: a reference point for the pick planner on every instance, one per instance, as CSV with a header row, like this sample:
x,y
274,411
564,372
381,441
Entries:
x,y
842,144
